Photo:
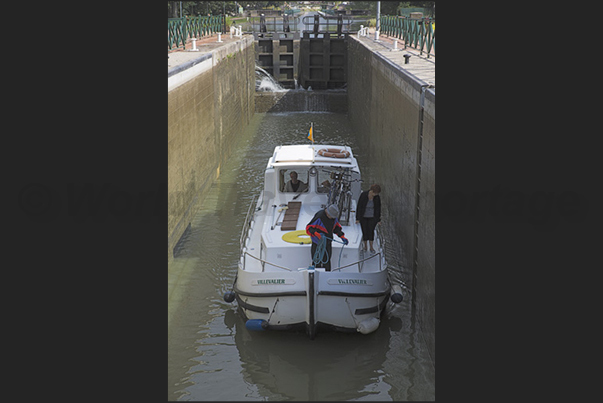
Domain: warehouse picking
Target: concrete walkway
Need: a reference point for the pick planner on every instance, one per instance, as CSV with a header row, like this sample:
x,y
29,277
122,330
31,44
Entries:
x,y
205,45
418,65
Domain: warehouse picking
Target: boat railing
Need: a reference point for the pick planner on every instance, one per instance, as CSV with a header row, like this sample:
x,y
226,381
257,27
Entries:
x,y
246,223
378,254
359,263
264,263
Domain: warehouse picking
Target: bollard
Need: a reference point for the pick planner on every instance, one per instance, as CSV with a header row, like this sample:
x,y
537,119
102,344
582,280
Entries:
x,y
376,36
395,44
194,49
406,57
361,32
219,37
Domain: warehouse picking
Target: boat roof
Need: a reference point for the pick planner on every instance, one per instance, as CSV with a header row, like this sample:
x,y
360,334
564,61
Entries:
x,y
307,154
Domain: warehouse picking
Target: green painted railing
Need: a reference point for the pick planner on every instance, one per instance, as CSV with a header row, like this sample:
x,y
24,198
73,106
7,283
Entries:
x,y
416,33
180,29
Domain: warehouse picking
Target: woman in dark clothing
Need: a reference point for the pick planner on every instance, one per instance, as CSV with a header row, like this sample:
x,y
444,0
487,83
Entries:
x,y
368,213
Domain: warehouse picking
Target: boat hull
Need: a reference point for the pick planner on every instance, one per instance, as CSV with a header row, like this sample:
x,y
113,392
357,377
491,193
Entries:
x,y
312,299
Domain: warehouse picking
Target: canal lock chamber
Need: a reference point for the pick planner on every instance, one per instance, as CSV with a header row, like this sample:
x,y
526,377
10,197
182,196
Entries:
x,y
394,109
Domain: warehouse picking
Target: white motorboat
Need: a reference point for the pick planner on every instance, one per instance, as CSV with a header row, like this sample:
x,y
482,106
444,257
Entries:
x,y
278,286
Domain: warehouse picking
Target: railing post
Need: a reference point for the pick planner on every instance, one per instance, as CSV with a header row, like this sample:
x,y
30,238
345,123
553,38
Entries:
x,y
286,23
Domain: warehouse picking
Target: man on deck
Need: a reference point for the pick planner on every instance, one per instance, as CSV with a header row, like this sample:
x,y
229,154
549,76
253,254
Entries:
x,y
325,223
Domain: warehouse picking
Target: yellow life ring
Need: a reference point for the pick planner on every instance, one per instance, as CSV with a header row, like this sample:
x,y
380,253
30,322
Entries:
x,y
297,237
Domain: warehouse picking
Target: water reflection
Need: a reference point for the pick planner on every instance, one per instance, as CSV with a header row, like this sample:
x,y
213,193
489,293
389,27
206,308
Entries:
x,y
296,368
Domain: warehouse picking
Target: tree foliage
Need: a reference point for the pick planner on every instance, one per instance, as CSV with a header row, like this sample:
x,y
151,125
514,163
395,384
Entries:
x,y
389,7
194,8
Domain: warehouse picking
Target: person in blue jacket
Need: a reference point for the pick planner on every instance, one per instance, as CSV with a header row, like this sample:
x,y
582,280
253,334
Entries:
x,y
325,223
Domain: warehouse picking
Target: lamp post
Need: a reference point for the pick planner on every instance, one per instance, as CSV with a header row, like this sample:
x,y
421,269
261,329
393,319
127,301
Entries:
x,y
378,24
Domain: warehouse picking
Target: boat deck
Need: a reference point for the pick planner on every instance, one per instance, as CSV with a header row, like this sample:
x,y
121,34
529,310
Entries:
x,y
295,256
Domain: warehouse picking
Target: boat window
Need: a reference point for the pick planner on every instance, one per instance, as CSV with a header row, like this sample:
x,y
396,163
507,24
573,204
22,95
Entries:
x,y
285,178
324,182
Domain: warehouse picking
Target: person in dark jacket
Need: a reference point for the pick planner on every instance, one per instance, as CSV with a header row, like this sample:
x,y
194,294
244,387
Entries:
x,y
368,214
325,223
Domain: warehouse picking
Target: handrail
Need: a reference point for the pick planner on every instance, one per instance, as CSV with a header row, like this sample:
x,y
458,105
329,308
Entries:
x,y
417,33
264,261
270,23
338,268
181,29
246,224
360,261
312,24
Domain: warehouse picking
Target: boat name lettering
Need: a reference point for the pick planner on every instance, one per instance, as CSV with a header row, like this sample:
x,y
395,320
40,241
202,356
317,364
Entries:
x,y
273,281
349,281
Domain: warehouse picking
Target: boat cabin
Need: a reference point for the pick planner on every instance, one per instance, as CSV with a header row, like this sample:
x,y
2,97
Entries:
x,y
312,168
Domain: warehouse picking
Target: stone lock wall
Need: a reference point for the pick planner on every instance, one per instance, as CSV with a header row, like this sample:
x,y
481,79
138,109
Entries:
x,y
384,104
209,104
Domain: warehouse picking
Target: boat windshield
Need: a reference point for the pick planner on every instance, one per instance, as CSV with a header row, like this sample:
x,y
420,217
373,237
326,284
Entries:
x,y
286,179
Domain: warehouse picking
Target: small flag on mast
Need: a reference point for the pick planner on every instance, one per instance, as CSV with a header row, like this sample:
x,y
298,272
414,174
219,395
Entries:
x,y
310,135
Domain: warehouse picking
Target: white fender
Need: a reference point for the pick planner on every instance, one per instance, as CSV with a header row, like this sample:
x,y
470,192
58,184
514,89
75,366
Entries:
x,y
368,325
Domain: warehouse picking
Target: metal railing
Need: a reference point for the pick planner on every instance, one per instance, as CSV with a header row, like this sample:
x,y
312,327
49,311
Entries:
x,y
247,223
416,33
312,24
181,29
267,24
359,262
378,254
322,24
263,262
